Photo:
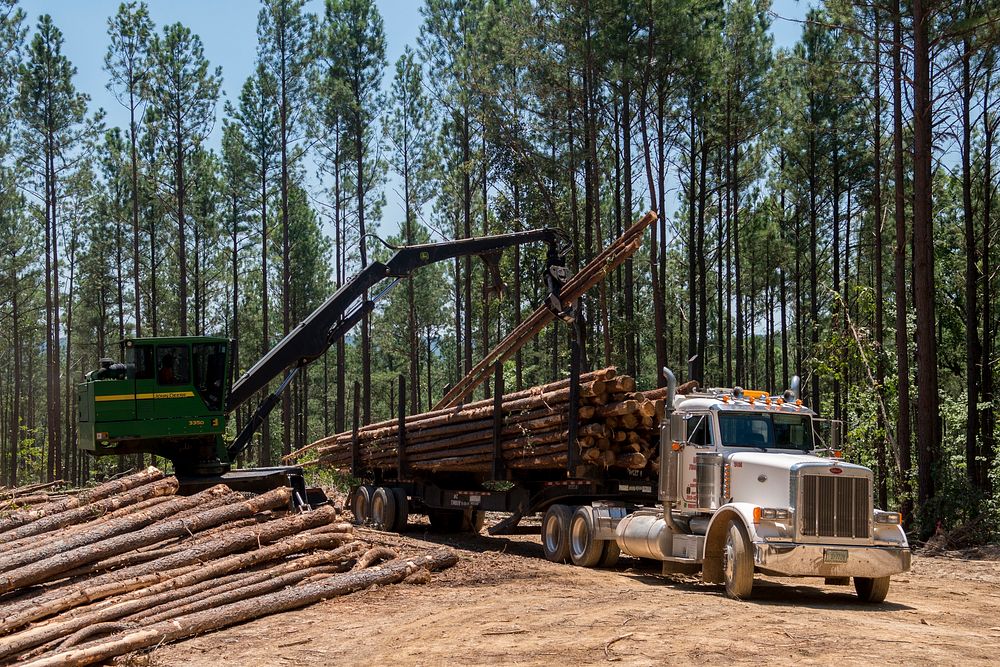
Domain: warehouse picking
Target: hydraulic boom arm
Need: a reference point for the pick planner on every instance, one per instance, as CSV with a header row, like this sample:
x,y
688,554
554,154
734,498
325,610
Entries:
x,y
346,307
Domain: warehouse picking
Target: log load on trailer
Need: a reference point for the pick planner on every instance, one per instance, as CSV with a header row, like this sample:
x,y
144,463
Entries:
x,y
171,397
453,469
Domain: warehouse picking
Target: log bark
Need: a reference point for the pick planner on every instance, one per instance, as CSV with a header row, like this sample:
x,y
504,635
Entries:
x,y
49,568
245,610
153,596
86,497
92,511
161,569
105,530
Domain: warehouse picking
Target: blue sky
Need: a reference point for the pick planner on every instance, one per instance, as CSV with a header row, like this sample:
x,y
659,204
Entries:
x,y
228,29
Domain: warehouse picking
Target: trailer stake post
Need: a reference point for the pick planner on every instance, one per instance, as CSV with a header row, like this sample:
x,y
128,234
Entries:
x,y
355,446
401,445
499,469
575,364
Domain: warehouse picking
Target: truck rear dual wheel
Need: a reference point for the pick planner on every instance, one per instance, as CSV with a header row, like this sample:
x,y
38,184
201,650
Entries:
x,y
871,590
386,508
361,503
383,509
555,533
584,549
737,562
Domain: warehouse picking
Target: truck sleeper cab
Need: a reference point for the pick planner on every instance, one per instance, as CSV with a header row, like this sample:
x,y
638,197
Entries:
x,y
746,488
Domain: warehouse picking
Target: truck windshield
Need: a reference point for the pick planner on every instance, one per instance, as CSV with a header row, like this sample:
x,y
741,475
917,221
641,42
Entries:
x,y
766,430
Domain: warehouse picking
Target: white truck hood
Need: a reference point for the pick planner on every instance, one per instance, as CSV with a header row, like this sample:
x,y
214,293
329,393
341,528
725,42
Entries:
x,y
763,477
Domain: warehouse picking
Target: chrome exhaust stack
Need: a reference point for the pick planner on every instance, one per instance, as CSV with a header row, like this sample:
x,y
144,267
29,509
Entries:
x,y
651,534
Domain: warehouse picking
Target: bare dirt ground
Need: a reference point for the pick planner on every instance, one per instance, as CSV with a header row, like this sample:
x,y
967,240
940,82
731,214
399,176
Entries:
x,y
503,603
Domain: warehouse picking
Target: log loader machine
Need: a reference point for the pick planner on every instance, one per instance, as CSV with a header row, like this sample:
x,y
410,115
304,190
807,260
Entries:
x,y
172,396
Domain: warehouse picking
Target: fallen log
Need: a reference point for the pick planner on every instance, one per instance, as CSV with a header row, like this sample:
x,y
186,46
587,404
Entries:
x,y
91,511
140,576
85,497
245,610
147,598
49,568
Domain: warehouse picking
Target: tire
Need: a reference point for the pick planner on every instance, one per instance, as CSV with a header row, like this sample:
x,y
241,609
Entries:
x,y
383,509
361,503
609,558
737,562
402,510
585,549
871,590
555,533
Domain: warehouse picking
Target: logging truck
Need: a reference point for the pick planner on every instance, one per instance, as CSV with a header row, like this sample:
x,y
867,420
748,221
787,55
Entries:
x,y
745,482
746,485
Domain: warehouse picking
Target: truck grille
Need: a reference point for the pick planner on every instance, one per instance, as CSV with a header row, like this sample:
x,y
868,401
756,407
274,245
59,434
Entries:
x,y
835,506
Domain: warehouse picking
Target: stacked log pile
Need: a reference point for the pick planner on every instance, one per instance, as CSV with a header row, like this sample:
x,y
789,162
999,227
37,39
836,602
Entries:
x,y
129,565
618,427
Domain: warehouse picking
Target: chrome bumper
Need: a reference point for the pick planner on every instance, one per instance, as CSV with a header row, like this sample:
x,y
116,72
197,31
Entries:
x,y
814,560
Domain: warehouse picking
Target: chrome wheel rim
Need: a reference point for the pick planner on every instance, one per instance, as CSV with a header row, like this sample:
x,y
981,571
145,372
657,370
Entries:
x,y
578,537
552,534
728,559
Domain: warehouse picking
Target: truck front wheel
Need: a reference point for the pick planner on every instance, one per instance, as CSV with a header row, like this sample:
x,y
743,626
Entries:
x,y
555,533
871,590
737,562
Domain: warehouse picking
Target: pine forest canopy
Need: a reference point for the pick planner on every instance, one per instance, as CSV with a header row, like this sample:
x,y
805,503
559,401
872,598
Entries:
x,y
830,212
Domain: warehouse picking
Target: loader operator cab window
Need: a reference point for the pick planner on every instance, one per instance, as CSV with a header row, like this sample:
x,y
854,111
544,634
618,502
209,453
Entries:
x,y
173,365
210,372
140,359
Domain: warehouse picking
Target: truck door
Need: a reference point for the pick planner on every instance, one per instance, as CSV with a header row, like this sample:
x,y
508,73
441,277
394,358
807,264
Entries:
x,y
700,439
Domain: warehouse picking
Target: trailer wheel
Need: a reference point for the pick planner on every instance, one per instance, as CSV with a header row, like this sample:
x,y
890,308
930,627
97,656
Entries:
x,y
584,549
609,557
737,562
383,509
555,533
871,590
402,510
361,503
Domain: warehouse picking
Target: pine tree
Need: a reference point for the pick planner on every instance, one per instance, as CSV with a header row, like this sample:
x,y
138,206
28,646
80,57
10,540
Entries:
x,y
52,113
127,62
353,46
410,129
185,92
284,36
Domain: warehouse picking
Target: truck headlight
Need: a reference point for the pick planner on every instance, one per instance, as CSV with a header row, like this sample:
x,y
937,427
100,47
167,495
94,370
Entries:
x,y
769,514
894,518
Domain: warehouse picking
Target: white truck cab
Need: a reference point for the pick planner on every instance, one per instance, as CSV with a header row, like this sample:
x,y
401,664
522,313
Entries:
x,y
747,486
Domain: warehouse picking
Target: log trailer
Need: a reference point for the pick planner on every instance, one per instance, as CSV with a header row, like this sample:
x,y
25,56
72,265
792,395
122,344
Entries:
x,y
745,483
172,396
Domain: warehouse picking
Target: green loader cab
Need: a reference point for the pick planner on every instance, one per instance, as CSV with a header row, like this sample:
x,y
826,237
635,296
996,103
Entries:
x,y
167,398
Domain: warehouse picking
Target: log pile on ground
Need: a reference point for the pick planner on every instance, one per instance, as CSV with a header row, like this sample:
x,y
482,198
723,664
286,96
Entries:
x,y
129,565
618,427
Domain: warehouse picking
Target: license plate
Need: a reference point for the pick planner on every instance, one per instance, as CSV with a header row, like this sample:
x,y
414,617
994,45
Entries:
x,y
834,555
